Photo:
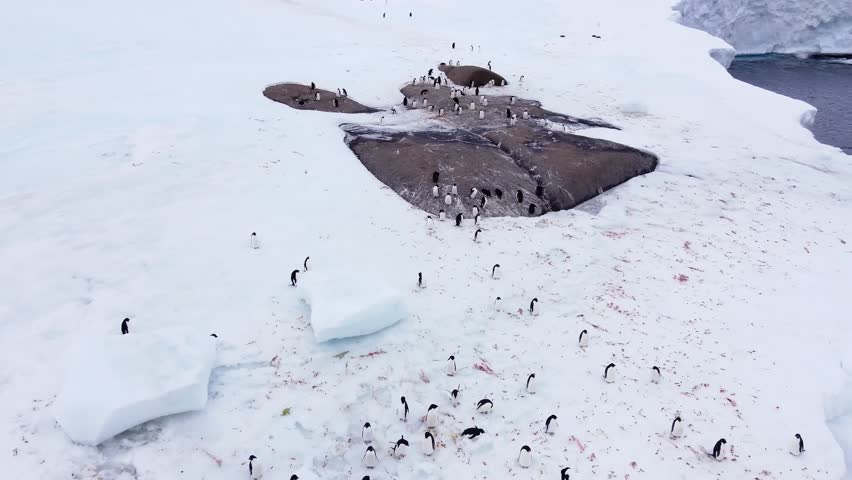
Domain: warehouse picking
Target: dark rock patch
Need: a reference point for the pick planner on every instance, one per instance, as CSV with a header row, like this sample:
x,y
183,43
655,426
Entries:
x,y
301,97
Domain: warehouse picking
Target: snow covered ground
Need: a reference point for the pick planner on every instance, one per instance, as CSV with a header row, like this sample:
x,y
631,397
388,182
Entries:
x,y
138,154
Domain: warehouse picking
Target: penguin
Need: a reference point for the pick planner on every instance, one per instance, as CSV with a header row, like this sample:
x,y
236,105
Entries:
x,y
448,200
531,383
719,449
531,210
254,243
454,45
476,92
400,448
458,110
484,102
499,193
564,472
498,304
495,271
456,103
459,219
420,282
428,444
489,64
539,191
476,219
294,477
344,93
508,114
371,459
485,192
424,91
584,339
255,468
473,192
429,73
656,376
512,100
483,201
454,396
526,114
293,278
484,406
472,432
521,79
317,97
435,191
367,433
476,234
520,196
455,189
430,224
124,328
451,365
404,101
441,112
334,102
482,114
214,335
425,102
798,446
475,210
432,416
414,104
382,120
442,214
313,86
305,264
513,120
435,176
394,111
551,425
525,457
609,373
403,410
472,106
534,308
677,428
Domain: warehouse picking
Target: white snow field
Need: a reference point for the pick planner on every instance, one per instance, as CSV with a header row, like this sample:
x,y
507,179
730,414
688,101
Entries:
x,y
350,306
115,382
138,155
779,26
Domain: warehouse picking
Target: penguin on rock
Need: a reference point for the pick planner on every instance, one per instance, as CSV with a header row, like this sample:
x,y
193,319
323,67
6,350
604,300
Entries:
x,y
435,191
475,210
448,200
473,192
454,190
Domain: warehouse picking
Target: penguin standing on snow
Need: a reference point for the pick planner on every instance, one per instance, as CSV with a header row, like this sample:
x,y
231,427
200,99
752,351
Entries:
x,y
448,200
495,271
609,373
798,446
484,406
420,282
255,468
476,219
293,278
371,459
551,425
254,243
454,396
435,191
534,308
432,416
430,224
473,192
305,264
656,376
124,328
520,196
472,432
525,457
476,233
564,472
677,428
400,448
442,214
719,449
451,365
498,304
367,433
403,410
531,383
584,339
459,219
428,444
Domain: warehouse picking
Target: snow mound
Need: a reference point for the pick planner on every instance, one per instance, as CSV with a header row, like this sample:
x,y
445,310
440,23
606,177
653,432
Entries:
x,y
779,26
343,307
116,382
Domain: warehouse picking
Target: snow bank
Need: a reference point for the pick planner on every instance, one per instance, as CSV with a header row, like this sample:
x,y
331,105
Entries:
x,y
119,381
350,306
785,26
838,412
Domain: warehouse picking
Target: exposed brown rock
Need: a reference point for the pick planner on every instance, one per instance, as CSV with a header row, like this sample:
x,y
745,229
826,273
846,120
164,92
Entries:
x,y
301,97
471,75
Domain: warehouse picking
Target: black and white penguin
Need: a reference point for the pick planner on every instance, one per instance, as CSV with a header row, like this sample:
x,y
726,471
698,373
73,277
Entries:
x,y
459,219
430,224
484,406
551,425
454,396
414,104
520,196
435,176
403,410
531,383
584,339
476,219
531,209
676,431
508,114
424,91
451,365
512,100
382,120
425,102
472,432
499,193
472,106
344,93
448,200
313,86
455,189
458,110
489,64
485,191
564,472
431,108
539,191
435,191
367,433
454,45
432,416
483,201
720,449
476,233
456,103
420,282
473,192
798,446
429,73
255,468
428,444
526,114
474,210
400,447
525,457
294,477
214,335
476,92
305,264
317,96
534,307
482,114
484,102
656,376
404,101
513,120
371,459
495,271
498,304
254,243
442,214
293,278
335,102
125,329
441,112
609,373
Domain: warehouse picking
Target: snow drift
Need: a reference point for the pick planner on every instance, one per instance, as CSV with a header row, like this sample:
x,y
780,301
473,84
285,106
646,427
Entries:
x,y
343,307
119,381
764,26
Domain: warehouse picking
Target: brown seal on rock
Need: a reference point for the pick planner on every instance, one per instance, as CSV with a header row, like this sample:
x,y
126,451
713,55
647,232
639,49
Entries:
x,y
465,74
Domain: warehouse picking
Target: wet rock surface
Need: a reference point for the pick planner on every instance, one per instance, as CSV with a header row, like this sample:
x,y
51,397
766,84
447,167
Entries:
x,y
302,97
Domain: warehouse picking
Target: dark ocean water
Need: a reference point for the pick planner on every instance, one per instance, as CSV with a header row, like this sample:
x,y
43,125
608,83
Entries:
x,y
822,82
